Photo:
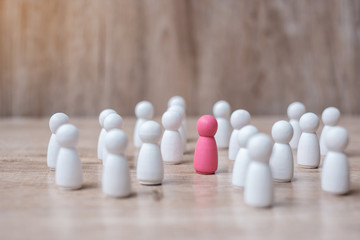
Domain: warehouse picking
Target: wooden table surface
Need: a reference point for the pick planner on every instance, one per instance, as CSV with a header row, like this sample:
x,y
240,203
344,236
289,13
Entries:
x,y
187,205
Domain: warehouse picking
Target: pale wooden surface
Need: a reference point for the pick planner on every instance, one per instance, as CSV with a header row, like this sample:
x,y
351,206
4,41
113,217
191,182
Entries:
x,y
84,55
186,206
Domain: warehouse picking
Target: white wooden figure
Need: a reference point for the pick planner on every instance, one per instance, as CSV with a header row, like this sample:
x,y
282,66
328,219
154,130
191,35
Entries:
x,y
144,111
116,175
242,158
102,117
179,101
308,153
112,121
330,118
56,120
294,112
69,174
335,176
182,130
221,111
259,186
238,119
150,169
281,160
171,143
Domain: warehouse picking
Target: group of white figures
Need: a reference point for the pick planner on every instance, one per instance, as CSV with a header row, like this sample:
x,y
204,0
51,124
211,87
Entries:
x,y
63,157
257,160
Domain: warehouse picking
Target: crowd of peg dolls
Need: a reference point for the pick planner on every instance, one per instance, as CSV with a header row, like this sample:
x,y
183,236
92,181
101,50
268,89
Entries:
x,y
259,159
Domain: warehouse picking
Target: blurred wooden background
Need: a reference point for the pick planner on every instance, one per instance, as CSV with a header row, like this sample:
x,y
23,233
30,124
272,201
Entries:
x,y
79,56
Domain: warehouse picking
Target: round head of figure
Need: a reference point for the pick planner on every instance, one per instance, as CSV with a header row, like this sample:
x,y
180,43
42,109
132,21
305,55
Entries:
x,y
245,134
171,120
144,110
150,132
57,120
260,147
207,126
336,139
104,114
282,132
116,141
239,118
295,110
177,100
67,136
221,109
178,109
113,121
330,116
309,122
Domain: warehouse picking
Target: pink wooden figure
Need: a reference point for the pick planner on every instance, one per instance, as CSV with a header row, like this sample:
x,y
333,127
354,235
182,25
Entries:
x,y
206,155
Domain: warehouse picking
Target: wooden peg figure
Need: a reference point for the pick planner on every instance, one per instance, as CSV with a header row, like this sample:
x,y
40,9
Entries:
x,y
102,134
55,122
308,153
150,169
69,174
206,155
335,175
259,186
116,175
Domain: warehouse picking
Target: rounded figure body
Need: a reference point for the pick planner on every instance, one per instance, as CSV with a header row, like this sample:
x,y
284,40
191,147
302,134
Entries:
x,y
137,140
111,121
259,185
144,111
330,117
171,142
56,121
52,152
238,120
182,128
222,135
221,111
116,176
206,155
101,138
308,154
323,148
335,177
172,147
233,145
180,101
116,180
294,111
259,181
294,142
68,167
242,158
240,168
282,162
150,170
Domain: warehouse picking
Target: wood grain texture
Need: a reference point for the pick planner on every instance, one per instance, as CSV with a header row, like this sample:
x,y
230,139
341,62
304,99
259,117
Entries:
x,y
82,56
186,206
